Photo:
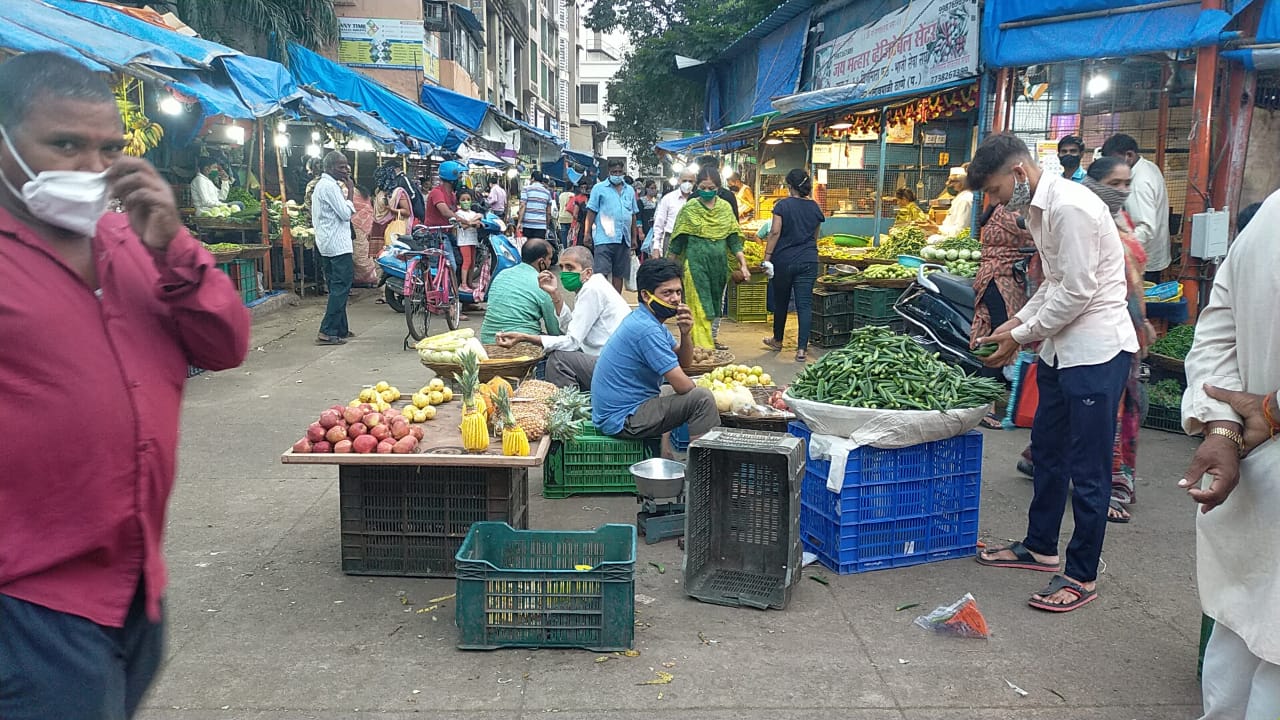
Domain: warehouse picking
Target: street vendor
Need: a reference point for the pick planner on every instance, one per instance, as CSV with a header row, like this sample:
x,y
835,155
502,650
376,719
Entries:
x,y
909,213
628,399
959,216
209,188
571,357
746,199
516,300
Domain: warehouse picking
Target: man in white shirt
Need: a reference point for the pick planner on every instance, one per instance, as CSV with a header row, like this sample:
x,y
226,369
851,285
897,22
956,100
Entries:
x,y
664,218
571,357
331,211
960,214
1081,318
1148,204
207,193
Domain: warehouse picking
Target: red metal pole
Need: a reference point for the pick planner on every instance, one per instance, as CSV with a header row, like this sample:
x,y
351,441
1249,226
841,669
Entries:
x,y
1198,162
1162,121
999,118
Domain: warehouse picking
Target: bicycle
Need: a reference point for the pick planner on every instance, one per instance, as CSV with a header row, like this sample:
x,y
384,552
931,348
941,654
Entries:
x,y
431,288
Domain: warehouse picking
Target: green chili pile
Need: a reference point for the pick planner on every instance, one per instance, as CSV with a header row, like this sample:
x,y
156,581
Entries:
x,y
882,370
1176,343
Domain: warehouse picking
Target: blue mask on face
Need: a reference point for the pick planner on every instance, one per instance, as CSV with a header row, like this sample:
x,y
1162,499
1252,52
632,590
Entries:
x,y
615,179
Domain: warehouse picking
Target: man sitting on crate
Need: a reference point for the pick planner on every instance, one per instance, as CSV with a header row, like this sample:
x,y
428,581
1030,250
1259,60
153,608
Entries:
x,y
628,400
571,357
517,301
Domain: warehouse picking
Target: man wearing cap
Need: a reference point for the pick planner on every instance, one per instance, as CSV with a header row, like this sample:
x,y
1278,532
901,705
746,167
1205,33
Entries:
x,y
960,214
1070,150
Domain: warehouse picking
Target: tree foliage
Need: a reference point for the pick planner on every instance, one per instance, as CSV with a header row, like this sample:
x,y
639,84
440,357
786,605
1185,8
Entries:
x,y
646,96
252,25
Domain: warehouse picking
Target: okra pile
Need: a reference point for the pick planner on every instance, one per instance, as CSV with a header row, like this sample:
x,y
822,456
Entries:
x,y
883,370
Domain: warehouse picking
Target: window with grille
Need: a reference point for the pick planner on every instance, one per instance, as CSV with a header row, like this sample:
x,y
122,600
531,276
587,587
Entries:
x,y
589,94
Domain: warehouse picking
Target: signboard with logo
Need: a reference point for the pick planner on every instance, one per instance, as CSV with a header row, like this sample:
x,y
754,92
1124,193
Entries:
x,y
382,43
921,45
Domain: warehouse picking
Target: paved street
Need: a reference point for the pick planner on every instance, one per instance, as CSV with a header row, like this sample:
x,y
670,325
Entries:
x,y
264,625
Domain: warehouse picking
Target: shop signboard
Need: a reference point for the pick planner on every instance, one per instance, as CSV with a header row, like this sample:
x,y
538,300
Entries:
x,y
922,45
381,43
431,57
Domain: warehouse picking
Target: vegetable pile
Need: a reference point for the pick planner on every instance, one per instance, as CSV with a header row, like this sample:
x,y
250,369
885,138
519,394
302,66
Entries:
x,y
753,252
963,268
880,369
1166,394
1176,343
885,272
902,240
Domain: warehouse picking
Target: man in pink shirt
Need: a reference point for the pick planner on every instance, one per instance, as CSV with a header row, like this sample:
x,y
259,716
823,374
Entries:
x,y
1080,317
109,308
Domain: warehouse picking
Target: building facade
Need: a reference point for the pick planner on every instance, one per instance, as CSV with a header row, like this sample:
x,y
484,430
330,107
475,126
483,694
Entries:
x,y
600,59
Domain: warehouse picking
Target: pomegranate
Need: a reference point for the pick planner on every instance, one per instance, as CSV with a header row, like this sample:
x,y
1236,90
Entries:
x,y
336,434
302,446
365,444
343,446
323,446
329,418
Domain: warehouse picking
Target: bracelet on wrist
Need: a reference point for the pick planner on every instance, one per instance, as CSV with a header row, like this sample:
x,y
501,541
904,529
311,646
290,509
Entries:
x,y
1272,424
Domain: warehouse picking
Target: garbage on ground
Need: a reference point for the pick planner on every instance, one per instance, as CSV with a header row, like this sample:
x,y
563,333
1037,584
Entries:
x,y
961,618
1015,688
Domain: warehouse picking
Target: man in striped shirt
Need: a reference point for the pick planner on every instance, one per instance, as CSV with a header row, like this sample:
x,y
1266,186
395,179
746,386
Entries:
x,y
537,207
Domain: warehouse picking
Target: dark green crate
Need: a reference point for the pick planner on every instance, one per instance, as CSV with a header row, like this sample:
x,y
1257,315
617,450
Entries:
x,y
246,279
874,302
1163,418
829,341
827,302
593,463
830,325
749,301
521,588
892,321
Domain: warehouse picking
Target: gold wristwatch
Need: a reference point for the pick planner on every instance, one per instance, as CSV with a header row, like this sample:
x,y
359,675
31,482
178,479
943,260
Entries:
x,y
1231,435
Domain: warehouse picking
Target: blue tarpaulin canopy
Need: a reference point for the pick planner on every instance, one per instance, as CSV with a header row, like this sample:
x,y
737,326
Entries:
x,y
781,56
195,50
709,142
1262,58
1027,32
20,39
93,41
461,110
350,86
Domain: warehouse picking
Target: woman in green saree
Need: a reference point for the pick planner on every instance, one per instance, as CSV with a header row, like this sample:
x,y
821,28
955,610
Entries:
x,y
705,235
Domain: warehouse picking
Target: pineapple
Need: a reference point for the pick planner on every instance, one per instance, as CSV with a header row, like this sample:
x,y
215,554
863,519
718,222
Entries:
x,y
514,441
475,432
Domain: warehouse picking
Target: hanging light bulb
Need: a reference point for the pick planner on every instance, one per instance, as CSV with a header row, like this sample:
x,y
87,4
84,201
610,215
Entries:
x,y
282,140
282,126
844,124
512,172
235,134
315,136
170,106
677,167
313,150
773,141
1098,84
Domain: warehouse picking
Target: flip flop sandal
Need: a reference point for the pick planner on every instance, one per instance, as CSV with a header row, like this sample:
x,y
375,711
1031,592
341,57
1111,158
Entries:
x,y
1083,597
1025,560
1119,507
993,422
772,344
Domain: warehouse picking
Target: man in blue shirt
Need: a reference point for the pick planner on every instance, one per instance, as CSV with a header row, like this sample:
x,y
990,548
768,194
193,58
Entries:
x,y
627,397
614,219
1070,151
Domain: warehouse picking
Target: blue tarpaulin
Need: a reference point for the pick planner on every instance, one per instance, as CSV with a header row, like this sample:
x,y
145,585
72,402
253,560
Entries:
x,y
781,55
580,158
264,85
710,142
347,116
1268,34
461,110
1269,23
20,39
93,41
350,86
196,50
1158,29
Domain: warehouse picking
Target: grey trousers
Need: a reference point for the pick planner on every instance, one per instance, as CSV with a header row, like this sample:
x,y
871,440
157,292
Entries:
x,y
669,411
570,368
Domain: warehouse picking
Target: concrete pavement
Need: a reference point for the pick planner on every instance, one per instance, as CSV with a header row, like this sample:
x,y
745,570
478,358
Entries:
x,y
263,624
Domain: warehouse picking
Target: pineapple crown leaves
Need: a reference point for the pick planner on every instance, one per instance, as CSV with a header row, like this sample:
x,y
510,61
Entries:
x,y
503,402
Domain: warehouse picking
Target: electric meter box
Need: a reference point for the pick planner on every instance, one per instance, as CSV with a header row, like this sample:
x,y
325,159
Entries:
x,y
1209,232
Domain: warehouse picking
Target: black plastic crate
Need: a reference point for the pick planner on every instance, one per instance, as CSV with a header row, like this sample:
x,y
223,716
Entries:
x,y
874,302
891,321
830,302
1163,418
742,533
829,341
832,324
409,521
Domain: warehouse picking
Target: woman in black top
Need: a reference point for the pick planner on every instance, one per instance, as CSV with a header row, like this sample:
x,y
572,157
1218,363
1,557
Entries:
x,y
792,248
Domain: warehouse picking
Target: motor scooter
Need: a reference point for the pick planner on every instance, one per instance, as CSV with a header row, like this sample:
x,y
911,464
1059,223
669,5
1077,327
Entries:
x,y
498,253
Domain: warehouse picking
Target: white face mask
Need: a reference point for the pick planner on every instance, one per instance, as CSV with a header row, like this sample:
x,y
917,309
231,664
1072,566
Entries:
x,y
686,187
70,199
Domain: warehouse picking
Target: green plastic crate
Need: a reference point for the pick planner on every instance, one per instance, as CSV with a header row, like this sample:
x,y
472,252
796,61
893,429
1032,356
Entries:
x,y
875,302
830,325
1163,418
829,341
246,279
593,463
828,302
521,588
749,301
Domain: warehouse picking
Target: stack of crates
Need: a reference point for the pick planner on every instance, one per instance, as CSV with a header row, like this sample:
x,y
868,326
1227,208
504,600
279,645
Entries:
x,y
832,318
742,539
897,507
749,301
593,462
246,279
874,306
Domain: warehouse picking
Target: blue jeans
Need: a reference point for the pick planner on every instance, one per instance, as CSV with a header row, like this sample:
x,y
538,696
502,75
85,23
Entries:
x,y
57,665
797,278
339,271
1072,441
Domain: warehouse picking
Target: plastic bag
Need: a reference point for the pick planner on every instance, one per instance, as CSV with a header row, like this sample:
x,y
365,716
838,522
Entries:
x,y
961,618
631,274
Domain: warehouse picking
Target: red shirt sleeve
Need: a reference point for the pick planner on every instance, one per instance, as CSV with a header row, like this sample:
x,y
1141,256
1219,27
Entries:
x,y
212,321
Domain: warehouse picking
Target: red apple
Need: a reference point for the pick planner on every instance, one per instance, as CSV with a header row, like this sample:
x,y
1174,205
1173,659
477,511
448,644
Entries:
x,y
416,431
336,434
405,445
329,418
343,446
380,432
323,446
366,408
385,447
302,446
365,444
399,430
315,432
338,408
352,415
356,430
373,419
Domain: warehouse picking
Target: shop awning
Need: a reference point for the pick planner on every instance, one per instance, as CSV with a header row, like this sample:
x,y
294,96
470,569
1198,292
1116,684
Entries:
x,y
1263,53
20,39
1027,32
350,86
848,97
93,41
579,158
781,55
710,142
196,51
346,116
461,110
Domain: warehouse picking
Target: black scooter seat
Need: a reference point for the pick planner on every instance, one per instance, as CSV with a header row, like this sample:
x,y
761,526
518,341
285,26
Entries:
x,y
955,289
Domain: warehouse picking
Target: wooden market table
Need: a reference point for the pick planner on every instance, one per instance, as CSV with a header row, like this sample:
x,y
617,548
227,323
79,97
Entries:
x,y
407,515
220,225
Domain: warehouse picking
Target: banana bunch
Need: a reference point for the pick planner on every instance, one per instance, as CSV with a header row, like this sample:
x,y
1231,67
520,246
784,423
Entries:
x,y
140,133
140,140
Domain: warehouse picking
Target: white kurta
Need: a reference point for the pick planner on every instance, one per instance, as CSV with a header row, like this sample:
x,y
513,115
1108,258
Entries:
x,y
1237,346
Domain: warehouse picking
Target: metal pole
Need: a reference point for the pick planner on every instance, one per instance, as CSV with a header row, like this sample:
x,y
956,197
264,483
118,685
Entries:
x,y
1201,149
884,143
1162,118
286,235
1100,13
1242,87
265,225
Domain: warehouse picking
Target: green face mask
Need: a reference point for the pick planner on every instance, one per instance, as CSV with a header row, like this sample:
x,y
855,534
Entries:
x,y
572,281
706,194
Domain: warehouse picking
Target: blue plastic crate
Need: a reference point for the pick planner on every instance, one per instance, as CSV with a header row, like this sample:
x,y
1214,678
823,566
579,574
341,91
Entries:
x,y
896,508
